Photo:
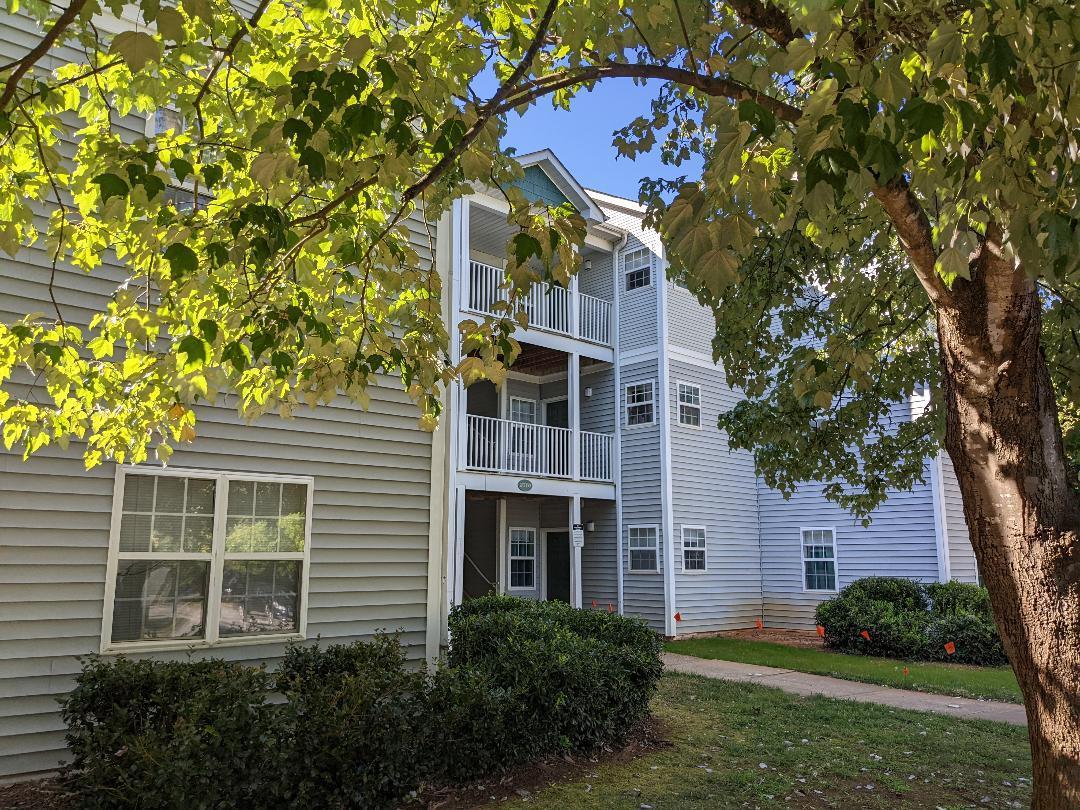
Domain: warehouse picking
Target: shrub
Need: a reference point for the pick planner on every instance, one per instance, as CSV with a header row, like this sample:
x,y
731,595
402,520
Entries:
x,y
975,638
576,680
350,724
180,734
907,620
951,598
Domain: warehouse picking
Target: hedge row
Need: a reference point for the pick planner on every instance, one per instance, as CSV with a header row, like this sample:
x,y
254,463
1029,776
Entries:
x,y
899,618
355,725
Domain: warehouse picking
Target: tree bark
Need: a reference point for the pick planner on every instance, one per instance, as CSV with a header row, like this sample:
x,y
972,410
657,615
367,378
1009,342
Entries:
x,y
1020,500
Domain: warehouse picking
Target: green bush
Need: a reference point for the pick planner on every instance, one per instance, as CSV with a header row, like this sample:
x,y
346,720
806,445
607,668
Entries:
x,y
153,734
975,638
355,725
577,680
951,598
905,619
351,719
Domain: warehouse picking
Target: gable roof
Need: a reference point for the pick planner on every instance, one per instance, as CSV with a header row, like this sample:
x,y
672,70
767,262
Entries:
x,y
562,181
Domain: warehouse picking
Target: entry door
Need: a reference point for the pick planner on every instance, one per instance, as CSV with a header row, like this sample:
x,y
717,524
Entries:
x,y
557,413
558,566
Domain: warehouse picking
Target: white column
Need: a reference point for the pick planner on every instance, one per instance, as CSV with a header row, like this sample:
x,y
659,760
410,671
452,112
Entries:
x,y
573,407
500,546
575,553
457,557
575,307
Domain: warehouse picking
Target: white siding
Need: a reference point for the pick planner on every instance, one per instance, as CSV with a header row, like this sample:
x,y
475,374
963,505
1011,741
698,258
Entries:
x,y
962,564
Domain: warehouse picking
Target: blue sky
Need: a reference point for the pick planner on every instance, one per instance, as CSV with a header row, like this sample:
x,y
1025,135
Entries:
x,y
582,137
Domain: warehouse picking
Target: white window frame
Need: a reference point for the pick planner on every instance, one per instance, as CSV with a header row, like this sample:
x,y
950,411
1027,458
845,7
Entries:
x,y
655,548
627,405
534,557
216,557
804,559
679,404
703,548
648,266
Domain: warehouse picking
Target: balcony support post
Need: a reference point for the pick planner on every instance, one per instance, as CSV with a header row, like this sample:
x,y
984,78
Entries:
x,y
573,408
575,553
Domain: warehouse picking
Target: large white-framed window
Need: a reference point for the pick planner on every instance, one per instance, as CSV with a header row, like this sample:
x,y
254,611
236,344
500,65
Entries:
x,y
639,402
693,548
204,557
819,559
637,269
689,397
522,410
643,545
522,558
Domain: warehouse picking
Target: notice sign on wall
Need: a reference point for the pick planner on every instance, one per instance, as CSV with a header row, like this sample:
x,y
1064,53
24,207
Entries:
x,y
578,535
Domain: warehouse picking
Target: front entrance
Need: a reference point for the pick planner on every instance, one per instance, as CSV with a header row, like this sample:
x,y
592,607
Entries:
x,y
557,567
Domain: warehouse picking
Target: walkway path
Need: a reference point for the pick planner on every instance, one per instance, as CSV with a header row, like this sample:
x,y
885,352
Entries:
x,y
801,683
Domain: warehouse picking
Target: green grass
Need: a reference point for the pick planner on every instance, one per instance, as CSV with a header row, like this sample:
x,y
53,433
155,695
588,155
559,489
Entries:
x,y
741,745
995,683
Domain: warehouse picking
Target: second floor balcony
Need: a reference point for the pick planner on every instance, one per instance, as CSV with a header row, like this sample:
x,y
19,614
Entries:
x,y
549,307
522,448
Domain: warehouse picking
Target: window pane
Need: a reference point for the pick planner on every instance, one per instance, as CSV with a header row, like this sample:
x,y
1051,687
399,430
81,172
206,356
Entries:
x,y
259,597
241,497
135,531
690,415
200,496
642,560
170,495
139,493
167,531
267,498
264,534
694,559
522,573
199,533
160,600
294,499
820,575
237,533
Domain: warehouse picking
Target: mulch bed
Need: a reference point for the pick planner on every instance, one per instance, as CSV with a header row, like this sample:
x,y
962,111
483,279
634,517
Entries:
x,y
48,794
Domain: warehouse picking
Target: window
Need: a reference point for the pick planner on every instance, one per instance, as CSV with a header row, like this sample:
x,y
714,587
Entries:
x,y
693,548
523,558
186,568
644,553
819,559
639,403
637,269
689,404
523,410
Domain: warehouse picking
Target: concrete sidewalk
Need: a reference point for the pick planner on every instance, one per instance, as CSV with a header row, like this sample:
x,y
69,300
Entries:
x,y
801,683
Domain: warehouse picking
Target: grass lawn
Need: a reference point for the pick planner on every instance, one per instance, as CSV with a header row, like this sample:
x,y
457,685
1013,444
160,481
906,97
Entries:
x,y
740,745
995,683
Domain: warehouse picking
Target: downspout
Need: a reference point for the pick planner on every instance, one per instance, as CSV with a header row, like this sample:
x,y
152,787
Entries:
x,y
615,289
668,521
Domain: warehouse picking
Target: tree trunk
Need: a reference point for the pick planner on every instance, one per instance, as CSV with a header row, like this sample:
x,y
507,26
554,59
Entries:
x,y
1021,502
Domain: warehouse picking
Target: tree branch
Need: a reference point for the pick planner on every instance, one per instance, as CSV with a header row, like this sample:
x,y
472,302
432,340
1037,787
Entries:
x,y
916,235
769,18
23,65
231,46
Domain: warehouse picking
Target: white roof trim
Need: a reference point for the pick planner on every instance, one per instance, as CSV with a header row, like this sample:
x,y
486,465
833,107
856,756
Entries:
x,y
565,182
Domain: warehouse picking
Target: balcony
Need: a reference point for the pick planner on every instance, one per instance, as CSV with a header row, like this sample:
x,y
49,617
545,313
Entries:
x,y
548,307
541,451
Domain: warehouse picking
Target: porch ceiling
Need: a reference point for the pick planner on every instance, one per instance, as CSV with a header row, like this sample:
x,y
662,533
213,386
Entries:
x,y
541,361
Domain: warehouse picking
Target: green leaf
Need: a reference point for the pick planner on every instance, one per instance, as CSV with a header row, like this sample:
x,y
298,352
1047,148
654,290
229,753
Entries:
x,y
881,157
111,185
170,24
921,117
315,163
524,246
181,168
999,59
951,264
137,48
200,9
194,350
182,259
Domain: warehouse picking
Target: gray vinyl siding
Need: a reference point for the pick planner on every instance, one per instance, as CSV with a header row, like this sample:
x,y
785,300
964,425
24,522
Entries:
x,y
900,541
369,538
599,556
690,325
962,564
716,488
643,592
598,412
637,308
597,280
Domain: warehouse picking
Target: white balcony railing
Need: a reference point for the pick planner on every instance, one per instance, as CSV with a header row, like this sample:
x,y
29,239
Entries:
x,y
596,452
548,306
519,448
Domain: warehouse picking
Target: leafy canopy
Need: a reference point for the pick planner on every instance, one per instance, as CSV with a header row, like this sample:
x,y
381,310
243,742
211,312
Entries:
x,y
856,157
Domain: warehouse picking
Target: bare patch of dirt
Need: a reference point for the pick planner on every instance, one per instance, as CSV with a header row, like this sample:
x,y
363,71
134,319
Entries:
x,y
808,639
521,783
39,794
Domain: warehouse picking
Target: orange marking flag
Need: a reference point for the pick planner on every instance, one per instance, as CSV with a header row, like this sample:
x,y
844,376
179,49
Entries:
x,y
865,634
906,672
594,603
678,616
821,631
610,608
950,648
759,624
